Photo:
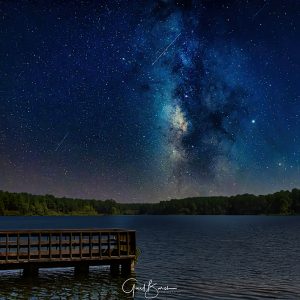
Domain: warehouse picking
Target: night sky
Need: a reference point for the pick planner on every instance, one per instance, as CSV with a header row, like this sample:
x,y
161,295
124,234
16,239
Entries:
x,y
149,100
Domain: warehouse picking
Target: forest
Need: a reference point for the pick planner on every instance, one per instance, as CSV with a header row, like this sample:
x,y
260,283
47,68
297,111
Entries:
x,y
279,203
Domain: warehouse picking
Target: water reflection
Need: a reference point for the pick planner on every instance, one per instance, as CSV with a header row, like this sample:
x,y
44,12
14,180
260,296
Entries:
x,y
64,284
205,257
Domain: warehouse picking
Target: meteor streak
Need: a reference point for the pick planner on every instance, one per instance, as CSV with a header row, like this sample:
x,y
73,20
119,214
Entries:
x,y
166,49
61,142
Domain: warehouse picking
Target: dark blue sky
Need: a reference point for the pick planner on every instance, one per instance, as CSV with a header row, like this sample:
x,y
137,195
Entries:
x,y
149,100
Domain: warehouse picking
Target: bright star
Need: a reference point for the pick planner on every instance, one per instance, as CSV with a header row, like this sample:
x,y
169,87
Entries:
x,y
253,121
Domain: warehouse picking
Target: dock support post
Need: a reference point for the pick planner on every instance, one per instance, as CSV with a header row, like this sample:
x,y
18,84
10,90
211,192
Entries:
x,y
81,269
30,271
127,267
114,268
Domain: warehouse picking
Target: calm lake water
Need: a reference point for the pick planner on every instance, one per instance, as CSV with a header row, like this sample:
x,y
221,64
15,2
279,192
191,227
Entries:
x,y
204,257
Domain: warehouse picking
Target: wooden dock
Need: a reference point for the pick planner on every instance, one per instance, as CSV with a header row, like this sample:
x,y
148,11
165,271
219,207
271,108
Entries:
x,y
33,249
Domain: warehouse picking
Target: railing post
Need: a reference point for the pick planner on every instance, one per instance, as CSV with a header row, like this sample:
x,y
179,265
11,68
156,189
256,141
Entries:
x,y
29,246
71,245
119,250
18,246
6,256
60,245
133,243
80,244
50,245
127,240
108,244
90,244
100,245
40,248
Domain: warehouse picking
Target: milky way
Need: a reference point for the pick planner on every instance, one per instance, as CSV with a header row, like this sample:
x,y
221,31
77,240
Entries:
x,y
202,107
149,100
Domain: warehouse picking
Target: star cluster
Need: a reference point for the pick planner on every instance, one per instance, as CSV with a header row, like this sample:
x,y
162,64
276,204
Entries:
x,y
149,100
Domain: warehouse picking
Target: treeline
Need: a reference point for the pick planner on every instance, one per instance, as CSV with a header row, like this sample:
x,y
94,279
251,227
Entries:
x,y
283,202
27,204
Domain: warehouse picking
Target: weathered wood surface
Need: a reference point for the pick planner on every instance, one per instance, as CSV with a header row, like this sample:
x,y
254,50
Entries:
x,y
49,248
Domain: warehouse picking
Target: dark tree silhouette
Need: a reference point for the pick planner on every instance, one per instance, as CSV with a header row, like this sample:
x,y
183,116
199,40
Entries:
x,y
283,203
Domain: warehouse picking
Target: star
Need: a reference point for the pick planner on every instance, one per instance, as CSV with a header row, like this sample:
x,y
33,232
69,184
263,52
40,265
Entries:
x,y
111,104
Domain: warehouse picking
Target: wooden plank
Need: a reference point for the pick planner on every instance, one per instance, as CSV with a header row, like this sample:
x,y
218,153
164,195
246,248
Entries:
x,y
26,231
55,252
14,262
54,243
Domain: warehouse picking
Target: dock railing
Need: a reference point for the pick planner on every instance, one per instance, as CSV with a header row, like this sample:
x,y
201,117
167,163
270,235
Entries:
x,y
66,247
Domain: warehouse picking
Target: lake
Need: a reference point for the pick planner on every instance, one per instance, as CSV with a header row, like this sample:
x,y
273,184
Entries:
x,y
203,257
